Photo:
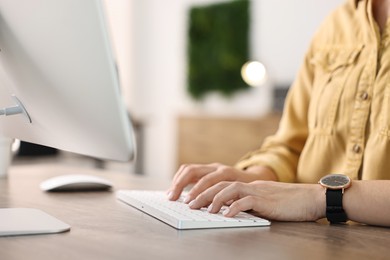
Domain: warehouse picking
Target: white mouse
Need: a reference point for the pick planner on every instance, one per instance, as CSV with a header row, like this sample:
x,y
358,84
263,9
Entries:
x,y
75,183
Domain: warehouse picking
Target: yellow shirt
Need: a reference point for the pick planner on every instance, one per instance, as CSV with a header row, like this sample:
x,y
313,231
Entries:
x,y
337,113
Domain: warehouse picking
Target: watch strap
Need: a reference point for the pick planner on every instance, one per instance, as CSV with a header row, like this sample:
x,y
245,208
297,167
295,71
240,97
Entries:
x,y
334,206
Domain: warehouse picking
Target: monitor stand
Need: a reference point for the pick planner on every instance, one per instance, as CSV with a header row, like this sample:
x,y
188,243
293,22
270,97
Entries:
x,y
23,221
5,155
26,221
5,142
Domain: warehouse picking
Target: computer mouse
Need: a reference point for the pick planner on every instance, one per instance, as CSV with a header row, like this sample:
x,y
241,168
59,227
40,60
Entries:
x,y
75,182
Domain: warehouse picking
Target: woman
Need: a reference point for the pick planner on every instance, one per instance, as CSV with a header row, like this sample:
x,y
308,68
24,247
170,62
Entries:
x,y
336,120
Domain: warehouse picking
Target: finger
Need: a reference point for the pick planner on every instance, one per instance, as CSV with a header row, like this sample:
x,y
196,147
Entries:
x,y
230,193
178,172
221,173
208,181
229,202
182,170
244,204
206,197
188,174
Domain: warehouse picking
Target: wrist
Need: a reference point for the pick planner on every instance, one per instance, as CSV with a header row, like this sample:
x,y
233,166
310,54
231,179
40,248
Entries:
x,y
335,185
319,202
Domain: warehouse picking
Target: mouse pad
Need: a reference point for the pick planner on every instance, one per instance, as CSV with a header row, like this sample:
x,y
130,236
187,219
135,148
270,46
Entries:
x,y
27,221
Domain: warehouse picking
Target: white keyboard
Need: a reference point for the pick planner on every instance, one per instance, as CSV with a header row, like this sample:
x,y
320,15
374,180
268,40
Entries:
x,y
180,216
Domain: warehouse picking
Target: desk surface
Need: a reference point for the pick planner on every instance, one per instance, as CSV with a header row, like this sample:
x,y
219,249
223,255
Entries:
x,y
105,228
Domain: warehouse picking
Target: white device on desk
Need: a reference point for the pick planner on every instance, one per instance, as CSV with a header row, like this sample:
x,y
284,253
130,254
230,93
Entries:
x,y
76,182
178,215
58,80
24,221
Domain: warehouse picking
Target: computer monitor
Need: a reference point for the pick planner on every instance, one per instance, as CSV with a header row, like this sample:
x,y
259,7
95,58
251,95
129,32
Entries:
x,y
59,87
56,61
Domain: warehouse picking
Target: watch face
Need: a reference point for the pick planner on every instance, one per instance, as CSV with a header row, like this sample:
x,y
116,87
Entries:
x,y
335,181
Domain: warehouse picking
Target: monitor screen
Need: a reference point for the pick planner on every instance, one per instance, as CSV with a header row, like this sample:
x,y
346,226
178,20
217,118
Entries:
x,y
56,61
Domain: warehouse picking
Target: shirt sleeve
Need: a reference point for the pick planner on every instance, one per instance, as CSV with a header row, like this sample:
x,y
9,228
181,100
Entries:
x,y
281,151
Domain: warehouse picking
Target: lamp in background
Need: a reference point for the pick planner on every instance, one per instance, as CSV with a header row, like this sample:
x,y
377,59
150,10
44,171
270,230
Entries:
x,y
254,73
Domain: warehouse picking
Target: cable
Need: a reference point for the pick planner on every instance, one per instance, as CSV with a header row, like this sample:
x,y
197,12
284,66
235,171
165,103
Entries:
x,y
11,111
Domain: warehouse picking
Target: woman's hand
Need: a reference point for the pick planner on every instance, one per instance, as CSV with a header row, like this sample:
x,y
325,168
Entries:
x,y
270,200
205,176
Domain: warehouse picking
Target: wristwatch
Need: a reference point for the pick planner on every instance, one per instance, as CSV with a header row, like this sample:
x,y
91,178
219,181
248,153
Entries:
x,y
335,185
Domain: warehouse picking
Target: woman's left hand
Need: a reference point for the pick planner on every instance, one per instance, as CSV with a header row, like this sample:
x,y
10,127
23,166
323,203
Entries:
x,y
270,200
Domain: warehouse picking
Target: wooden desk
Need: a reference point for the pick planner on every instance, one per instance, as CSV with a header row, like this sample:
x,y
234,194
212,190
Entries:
x,y
105,228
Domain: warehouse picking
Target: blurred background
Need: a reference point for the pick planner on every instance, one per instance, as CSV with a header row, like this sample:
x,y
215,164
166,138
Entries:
x,y
190,92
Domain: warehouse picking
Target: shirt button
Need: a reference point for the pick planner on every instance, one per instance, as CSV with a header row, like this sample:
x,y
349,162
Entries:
x,y
364,96
356,148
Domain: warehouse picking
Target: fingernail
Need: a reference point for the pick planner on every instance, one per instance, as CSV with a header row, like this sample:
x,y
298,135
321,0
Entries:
x,y
191,203
226,211
187,199
210,207
170,195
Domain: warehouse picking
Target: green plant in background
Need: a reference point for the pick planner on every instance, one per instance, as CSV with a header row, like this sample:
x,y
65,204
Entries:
x,y
217,48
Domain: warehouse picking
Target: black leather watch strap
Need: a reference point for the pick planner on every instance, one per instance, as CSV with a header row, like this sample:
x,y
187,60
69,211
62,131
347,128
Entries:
x,y
334,206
